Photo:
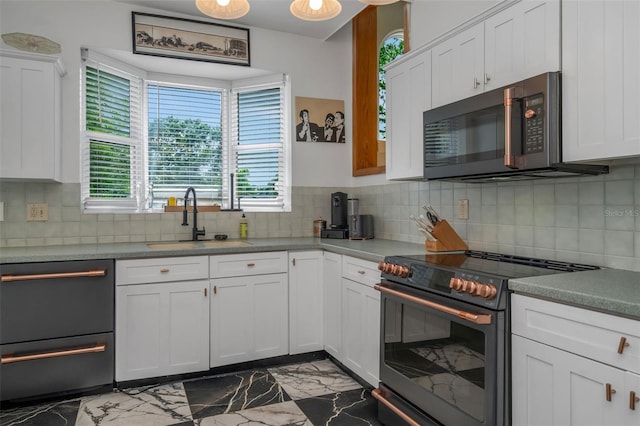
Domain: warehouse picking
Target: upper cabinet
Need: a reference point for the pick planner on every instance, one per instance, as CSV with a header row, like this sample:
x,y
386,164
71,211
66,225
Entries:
x,y
601,79
409,94
31,130
516,43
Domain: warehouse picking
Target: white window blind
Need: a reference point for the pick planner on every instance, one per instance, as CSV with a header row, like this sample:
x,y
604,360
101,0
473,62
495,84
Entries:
x,y
111,138
258,147
184,141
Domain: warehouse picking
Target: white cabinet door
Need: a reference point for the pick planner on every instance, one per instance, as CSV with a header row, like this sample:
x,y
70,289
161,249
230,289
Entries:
x,y
458,66
305,302
522,41
554,387
332,301
361,330
161,329
30,128
249,318
408,96
600,83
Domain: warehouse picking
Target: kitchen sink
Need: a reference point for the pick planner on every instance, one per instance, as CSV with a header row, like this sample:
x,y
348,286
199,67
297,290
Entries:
x,y
180,245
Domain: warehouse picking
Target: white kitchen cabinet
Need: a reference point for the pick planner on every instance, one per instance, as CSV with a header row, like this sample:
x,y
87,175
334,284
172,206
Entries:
x,y
511,45
408,96
305,302
162,317
30,127
332,299
249,307
458,66
600,83
566,365
361,319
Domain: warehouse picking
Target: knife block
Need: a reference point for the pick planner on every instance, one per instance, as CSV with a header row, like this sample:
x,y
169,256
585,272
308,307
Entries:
x,y
447,238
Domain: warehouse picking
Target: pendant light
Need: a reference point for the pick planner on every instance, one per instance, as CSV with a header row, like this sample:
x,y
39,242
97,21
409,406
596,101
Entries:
x,y
378,2
223,9
315,10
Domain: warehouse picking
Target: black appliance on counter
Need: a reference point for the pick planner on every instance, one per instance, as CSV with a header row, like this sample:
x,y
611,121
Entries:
x,y
445,348
510,133
56,328
339,227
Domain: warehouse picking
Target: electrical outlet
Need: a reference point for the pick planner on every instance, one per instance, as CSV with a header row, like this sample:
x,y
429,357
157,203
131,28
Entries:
x,y
463,209
37,212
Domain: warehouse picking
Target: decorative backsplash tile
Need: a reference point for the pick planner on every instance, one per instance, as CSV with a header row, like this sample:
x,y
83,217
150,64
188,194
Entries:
x,y
592,220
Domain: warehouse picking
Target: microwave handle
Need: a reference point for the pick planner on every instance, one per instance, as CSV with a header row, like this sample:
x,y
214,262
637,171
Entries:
x,y
510,97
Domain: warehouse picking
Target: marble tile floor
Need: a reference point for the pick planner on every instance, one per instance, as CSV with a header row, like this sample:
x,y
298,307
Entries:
x,y
310,393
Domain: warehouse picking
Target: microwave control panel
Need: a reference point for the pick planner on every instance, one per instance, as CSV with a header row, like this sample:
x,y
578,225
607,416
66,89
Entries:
x,y
534,124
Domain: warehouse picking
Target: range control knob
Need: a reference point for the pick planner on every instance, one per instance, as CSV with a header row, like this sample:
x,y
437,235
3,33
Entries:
x,y
394,269
474,288
530,113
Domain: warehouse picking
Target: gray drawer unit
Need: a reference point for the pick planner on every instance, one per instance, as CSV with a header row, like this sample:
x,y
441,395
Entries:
x,y
56,327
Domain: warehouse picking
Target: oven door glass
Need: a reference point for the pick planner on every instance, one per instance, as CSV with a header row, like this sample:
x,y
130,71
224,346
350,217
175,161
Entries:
x,y
446,364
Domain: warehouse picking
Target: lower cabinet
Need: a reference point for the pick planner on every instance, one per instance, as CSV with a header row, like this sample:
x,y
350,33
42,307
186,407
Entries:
x,y
332,300
361,319
570,366
249,310
162,328
305,302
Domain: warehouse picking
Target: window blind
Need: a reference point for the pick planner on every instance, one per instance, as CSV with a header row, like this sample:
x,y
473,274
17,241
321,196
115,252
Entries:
x,y
184,141
258,142
111,139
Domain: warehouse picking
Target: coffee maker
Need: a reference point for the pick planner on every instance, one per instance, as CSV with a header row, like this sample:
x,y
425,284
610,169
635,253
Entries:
x,y
339,227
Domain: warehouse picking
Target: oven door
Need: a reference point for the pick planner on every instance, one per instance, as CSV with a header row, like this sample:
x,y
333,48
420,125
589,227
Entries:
x,y
445,357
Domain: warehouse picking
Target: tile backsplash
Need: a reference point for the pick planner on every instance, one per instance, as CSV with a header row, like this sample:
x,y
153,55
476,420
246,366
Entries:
x,y
593,220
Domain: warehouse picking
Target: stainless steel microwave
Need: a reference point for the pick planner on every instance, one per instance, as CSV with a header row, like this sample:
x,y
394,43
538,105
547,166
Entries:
x,y
504,134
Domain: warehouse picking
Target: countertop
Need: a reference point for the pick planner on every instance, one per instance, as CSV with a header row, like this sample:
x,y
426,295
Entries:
x,y
608,290
612,291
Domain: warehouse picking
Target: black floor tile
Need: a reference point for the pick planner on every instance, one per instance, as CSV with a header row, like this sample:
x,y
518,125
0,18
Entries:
x,y
51,414
350,408
233,392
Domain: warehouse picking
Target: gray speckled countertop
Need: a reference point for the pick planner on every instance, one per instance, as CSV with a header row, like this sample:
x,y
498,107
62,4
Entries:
x,y
374,250
608,290
614,291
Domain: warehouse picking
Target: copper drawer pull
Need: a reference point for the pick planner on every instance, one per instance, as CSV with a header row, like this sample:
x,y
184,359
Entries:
x,y
361,272
251,265
623,344
164,270
632,400
474,318
609,390
12,358
377,394
92,273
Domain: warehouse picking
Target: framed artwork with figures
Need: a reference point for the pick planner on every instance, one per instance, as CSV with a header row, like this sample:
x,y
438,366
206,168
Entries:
x,y
319,120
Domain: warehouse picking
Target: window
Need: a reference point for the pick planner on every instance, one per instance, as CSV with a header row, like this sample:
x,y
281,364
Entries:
x,y
144,141
392,48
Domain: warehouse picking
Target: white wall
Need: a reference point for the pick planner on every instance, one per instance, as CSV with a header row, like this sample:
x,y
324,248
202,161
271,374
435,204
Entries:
x,y
317,69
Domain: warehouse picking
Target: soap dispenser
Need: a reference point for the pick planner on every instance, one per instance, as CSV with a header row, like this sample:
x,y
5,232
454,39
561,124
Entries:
x,y
243,226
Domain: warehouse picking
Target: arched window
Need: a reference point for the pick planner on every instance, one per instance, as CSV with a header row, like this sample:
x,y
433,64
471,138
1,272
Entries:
x,y
391,48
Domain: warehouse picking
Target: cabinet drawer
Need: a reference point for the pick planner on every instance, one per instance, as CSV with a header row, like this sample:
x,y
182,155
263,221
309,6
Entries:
x,y
362,271
591,334
164,269
235,265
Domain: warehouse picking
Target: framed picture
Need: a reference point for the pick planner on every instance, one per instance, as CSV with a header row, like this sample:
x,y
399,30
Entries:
x,y
320,120
187,39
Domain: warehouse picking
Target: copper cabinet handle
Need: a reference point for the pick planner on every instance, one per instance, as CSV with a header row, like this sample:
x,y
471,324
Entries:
x,y
609,390
164,270
91,273
251,265
377,394
474,318
293,261
12,358
205,292
632,400
361,272
623,344
215,289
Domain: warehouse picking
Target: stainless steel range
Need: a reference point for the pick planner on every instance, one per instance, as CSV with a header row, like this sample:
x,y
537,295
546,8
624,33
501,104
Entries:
x,y
445,336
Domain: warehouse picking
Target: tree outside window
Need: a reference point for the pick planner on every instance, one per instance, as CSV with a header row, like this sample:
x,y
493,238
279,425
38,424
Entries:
x,y
392,48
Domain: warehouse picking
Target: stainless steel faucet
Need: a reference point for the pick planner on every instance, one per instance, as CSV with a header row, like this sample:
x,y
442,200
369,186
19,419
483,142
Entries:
x,y
195,232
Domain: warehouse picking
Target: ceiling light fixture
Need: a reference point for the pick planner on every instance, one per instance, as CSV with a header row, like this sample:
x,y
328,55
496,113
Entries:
x,y
223,9
315,10
378,2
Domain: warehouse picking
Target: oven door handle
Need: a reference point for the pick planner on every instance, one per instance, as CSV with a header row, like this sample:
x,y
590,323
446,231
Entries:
x,y
474,318
377,394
